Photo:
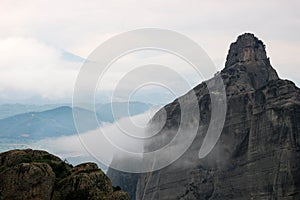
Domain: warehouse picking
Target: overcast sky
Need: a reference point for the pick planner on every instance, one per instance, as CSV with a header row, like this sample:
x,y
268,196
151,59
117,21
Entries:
x,y
35,35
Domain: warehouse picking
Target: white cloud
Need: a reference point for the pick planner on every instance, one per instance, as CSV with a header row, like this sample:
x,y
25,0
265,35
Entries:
x,y
126,67
28,65
32,33
94,145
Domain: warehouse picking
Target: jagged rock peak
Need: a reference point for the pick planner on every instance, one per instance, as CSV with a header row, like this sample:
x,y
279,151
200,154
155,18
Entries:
x,y
247,48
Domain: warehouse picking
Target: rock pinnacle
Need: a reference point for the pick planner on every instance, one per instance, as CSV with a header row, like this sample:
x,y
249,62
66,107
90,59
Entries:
x,y
247,48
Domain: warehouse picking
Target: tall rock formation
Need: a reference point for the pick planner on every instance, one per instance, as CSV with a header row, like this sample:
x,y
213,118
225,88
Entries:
x,y
258,153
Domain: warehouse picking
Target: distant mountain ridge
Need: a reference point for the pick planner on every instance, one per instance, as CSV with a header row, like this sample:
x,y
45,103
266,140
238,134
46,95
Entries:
x,y
58,121
122,109
39,125
9,110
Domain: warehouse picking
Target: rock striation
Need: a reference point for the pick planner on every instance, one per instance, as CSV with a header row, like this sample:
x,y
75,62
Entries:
x,y
37,175
258,153
246,49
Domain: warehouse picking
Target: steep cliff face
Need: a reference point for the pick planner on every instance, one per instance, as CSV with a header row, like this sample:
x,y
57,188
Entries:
x,y
29,174
258,153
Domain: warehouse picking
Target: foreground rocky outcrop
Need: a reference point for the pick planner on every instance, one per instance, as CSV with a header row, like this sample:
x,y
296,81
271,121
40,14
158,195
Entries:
x,y
31,174
258,153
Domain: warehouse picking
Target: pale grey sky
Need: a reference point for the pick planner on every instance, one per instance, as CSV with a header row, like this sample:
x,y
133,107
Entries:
x,y
35,33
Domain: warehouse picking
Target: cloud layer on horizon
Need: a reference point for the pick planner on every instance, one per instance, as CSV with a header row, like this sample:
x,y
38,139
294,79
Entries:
x,y
33,33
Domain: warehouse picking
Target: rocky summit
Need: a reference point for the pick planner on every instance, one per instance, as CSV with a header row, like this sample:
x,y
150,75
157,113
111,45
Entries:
x,y
258,153
247,48
37,175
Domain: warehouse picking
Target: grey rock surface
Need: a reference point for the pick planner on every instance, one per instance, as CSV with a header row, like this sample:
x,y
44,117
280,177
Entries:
x,y
247,48
37,175
258,153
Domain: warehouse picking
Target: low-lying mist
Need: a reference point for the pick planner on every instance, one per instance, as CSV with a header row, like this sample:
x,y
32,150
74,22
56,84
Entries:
x,y
94,146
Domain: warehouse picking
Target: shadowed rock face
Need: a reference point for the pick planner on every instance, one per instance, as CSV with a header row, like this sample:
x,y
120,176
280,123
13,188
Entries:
x,y
246,49
258,153
38,175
